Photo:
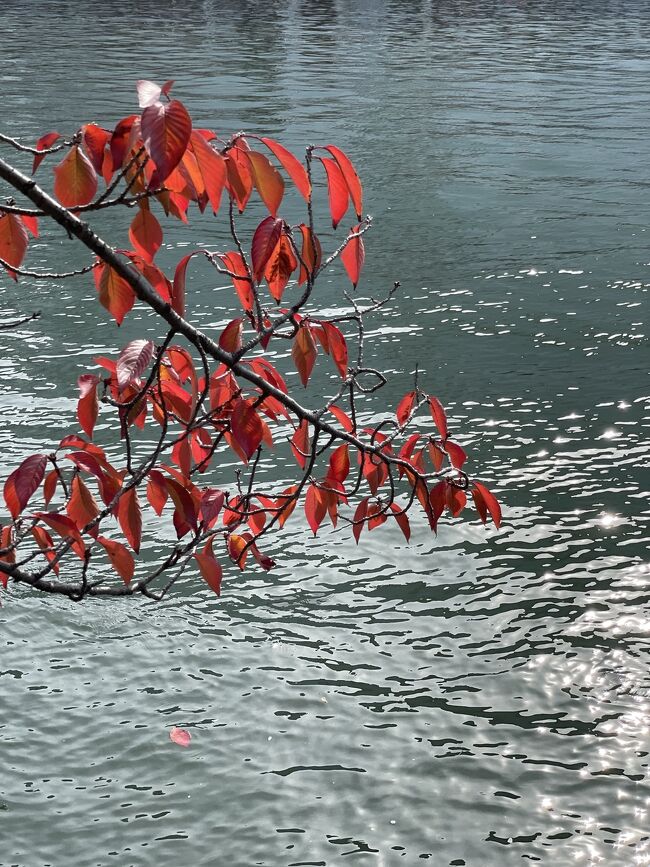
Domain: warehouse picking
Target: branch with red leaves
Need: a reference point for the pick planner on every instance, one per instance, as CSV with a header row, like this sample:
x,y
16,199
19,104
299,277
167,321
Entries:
x,y
186,404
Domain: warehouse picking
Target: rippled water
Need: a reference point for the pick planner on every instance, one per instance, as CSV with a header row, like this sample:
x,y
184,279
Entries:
x,y
477,699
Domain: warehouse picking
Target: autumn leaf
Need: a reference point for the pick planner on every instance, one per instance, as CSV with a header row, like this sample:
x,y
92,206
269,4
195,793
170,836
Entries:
x,y
439,416
23,482
339,198
210,568
130,518
485,502
350,176
43,144
268,181
75,179
264,243
133,361
246,427
293,167
145,234
304,353
181,737
166,131
353,256
13,241
115,294
120,557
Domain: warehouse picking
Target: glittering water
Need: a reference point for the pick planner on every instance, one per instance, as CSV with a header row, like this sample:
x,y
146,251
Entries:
x,y
477,699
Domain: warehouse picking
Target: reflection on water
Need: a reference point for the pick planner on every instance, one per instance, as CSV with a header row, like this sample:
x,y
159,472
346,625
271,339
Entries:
x,y
481,698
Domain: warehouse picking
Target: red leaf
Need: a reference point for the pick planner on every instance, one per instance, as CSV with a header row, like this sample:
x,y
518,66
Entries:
x,y
293,167
45,141
268,181
351,178
490,501
166,131
300,443
120,140
13,241
402,519
95,140
439,416
315,507
75,179
115,294
157,491
265,241
359,518
212,168
145,234
178,291
180,737
353,256
235,263
437,456
212,501
210,569
343,418
44,542
230,338
405,406
130,518
456,500
31,224
22,483
121,558
337,190
339,465
133,361
246,427
304,353
66,528
437,502
457,455
311,254
238,176
336,347
49,486
82,507
280,266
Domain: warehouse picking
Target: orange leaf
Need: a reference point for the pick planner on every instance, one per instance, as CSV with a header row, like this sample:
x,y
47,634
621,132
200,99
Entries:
x,y
166,130
145,234
13,240
115,294
315,507
22,483
238,176
82,507
337,190
311,254
351,178
268,181
353,256
293,167
280,266
75,179
336,346
66,528
339,465
212,168
304,353
210,569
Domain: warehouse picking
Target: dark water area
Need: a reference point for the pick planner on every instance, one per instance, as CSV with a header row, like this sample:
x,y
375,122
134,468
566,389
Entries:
x,y
480,698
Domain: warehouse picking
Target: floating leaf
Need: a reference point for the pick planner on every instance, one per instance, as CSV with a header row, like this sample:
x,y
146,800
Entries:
x,y
180,736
